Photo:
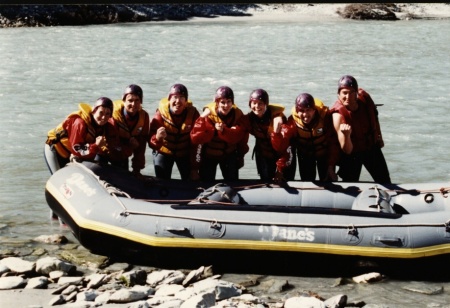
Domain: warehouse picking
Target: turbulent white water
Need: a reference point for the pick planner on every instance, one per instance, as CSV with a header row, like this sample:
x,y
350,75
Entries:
x,y
45,72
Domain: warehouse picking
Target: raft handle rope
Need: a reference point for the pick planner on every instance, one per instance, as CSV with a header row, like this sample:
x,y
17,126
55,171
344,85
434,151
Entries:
x,y
351,230
447,226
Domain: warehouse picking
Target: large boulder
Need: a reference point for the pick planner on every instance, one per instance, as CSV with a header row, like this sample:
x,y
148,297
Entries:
x,y
367,11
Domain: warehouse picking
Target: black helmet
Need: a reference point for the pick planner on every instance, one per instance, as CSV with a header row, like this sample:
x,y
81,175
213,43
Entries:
x,y
132,89
179,89
259,94
224,92
304,100
104,102
347,81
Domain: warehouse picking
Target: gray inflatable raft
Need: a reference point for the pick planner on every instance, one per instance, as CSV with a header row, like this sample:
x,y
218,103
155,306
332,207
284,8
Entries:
x,y
107,208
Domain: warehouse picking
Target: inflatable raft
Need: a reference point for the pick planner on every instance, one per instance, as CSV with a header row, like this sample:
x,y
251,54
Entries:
x,y
108,209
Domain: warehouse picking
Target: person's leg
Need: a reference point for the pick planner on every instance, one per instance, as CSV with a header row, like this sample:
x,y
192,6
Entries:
x,y
322,168
208,168
229,167
54,163
376,165
163,165
184,167
349,168
266,167
53,160
123,164
307,166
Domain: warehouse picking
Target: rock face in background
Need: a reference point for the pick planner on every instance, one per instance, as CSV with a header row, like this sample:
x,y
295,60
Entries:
x,y
78,15
86,14
367,11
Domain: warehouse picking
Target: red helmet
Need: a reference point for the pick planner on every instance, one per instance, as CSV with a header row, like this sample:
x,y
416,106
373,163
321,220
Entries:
x,y
104,102
259,94
304,100
132,89
224,92
347,81
178,89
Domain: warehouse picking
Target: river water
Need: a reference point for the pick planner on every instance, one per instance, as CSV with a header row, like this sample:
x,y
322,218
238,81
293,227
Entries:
x,y
46,72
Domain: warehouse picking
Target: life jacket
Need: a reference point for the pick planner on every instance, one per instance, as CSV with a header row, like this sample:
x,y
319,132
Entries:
x,y
217,147
178,140
124,131
58,136
312,141
366,131
262,136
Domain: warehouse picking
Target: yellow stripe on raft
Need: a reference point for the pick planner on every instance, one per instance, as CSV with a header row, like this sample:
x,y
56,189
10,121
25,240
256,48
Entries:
x,y
406,253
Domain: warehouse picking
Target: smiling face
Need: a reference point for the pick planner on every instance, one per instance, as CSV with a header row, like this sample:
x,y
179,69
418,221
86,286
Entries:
x,y
306,114
258,107
177,103
348,96
101,115
132,104
224,105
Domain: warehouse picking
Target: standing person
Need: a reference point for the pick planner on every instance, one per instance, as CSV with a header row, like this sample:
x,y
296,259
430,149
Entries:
x,y
218,142
262,122
170,130
133,123
86,134
310,130
355,119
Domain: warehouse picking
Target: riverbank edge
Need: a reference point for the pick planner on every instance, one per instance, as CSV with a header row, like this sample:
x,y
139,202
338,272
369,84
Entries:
x,y
12,16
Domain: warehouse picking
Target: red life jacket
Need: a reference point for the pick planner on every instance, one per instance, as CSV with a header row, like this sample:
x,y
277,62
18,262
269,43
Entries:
x,y
366,130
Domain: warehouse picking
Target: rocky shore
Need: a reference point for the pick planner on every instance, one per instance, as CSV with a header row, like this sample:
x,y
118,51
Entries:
x,y
91,281
78,15
59,272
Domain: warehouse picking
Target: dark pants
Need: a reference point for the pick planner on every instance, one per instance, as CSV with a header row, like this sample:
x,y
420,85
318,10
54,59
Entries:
x,y
373,160
228,166
164,164
309,166
124,164
268,166
53,160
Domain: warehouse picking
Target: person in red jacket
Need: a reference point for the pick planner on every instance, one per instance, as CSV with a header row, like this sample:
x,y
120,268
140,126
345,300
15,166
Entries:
x,y
217,141
86,134
263,121
310,130
170,130
355,119
133,124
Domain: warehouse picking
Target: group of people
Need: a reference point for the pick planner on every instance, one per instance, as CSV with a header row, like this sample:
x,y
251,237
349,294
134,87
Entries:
x,y
319,139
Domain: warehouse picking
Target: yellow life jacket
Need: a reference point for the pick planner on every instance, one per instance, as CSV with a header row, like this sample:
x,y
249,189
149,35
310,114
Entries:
x,y
311,141
178,140
263,142
58,136
124,130
217,147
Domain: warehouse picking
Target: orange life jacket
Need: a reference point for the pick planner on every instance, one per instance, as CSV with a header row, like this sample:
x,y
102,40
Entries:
x,y
124,131
177,141
312,141
217,147
58,136
262,137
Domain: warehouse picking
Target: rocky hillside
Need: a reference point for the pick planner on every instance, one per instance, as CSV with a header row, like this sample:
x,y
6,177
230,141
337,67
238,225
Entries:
x,y
72,15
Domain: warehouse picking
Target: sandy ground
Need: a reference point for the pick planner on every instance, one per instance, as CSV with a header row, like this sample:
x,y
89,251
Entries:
x,y
328,11
27,298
